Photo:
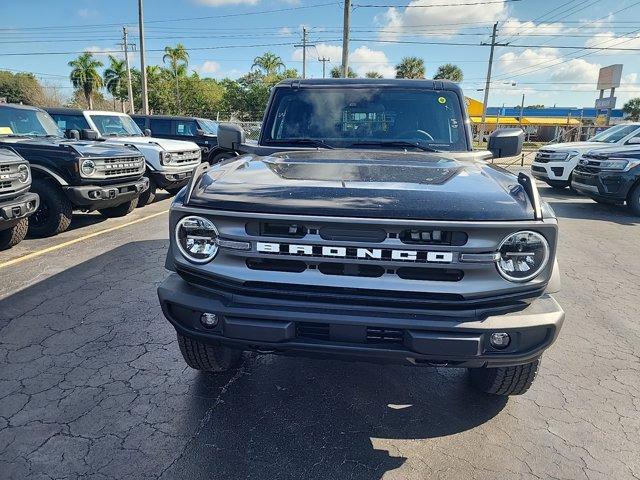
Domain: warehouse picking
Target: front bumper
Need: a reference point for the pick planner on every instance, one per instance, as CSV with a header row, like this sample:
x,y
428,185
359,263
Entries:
x,y
96,197
11,211
170,179
605,185
557,171
349,333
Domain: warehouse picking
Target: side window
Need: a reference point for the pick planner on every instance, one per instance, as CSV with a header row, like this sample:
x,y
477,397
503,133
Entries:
x,y
141,122
71,122
160,126
187,128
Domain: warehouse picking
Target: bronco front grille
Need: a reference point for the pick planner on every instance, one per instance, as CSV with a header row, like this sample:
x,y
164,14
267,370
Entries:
x,y
5,185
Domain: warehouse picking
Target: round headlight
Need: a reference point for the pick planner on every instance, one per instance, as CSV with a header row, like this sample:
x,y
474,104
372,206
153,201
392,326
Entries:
x,y
523,255
23,173
88,167
165,158
197,239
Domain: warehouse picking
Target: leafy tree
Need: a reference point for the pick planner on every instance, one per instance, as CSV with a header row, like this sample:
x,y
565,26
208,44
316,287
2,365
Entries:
x,y
410,67
85,77
632,109
373,74
20,88
336,72
269,63
115,79
448,71
178,59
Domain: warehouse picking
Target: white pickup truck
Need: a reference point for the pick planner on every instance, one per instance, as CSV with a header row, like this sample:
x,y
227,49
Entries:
x,y
170,163
554,163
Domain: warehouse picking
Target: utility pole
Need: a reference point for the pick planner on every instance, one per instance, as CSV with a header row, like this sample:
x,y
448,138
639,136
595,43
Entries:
x,y
324,61
345,38
125,45
143,70
488,82
304,46
521,110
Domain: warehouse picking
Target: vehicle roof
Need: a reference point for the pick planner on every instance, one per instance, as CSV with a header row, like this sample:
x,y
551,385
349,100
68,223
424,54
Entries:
x,y
66,110
19,106
372,82
169,117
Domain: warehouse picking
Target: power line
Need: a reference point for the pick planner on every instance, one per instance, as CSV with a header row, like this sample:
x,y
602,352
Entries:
x,y
371,5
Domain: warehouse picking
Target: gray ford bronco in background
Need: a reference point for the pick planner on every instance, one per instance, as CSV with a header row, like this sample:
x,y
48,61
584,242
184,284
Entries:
x,y
363,226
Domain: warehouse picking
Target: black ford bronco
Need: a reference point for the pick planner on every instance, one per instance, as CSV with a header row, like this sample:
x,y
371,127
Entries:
x,y
16,203
363,226
69,174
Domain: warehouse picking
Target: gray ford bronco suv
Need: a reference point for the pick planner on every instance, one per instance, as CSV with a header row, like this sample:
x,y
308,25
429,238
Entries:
x,y
363,226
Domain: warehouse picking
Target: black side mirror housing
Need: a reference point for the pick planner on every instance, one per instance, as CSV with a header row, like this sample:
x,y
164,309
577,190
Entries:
x,y
72,134
147,132
230,136
200,132
88,134
506,142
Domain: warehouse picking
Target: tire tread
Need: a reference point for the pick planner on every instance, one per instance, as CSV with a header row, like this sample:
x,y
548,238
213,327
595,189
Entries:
x,y
514,380
206,357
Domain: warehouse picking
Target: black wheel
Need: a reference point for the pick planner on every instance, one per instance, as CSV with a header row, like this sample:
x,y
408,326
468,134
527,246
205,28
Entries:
x,y
149,195
504,380
633,200
120,210
206,357
558,184
55,211
14,235
219,157
173,191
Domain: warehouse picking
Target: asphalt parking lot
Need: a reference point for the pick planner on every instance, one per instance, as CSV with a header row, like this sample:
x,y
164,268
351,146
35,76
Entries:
x,y
92,384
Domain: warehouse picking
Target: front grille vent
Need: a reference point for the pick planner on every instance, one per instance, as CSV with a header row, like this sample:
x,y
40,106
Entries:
x,y
276,229
276,265
433,237
351,270
5,168
5,185
318,331
384,335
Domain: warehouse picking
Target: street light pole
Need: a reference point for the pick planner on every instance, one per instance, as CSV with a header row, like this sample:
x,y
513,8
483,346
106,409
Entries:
x,y
143,70
126,59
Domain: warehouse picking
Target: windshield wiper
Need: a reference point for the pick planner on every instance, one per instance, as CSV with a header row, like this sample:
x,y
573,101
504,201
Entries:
x,y
309,141
394,143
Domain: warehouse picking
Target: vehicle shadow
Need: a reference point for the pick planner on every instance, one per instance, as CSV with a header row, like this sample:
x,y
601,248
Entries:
x,y
90,348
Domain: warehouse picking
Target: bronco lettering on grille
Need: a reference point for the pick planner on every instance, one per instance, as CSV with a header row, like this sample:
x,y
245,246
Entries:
x,y
354,252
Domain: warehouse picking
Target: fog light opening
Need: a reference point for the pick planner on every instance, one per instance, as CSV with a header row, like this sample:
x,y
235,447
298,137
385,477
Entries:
x,y
209,320
500,340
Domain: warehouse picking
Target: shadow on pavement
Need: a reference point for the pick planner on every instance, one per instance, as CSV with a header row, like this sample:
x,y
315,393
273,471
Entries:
x,y
91,371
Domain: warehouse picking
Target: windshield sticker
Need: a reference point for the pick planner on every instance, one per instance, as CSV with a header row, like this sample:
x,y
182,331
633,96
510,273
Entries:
x,y
6,131
442,100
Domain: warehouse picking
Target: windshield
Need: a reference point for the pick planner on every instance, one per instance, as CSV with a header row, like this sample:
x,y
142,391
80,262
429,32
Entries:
x,y
346,117
18,121
615,134
209,126
116,125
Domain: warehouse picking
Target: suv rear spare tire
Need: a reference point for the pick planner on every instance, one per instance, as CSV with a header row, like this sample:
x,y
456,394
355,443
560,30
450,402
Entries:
x,y
208,357
514,380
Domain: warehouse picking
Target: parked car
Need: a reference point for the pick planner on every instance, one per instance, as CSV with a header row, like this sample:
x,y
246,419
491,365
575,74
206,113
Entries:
x,y
16,203
364,226
610,175
69,174
201,131
170,163
555,164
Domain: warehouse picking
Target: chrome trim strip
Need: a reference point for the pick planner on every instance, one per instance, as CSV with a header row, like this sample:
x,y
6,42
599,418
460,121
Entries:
x,y
479,257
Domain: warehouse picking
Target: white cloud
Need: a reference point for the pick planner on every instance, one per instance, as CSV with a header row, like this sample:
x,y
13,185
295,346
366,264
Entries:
x,y
578,70
104,52
218,3
528,58
362,59
208,67
87,12
285,32
610,39
448,20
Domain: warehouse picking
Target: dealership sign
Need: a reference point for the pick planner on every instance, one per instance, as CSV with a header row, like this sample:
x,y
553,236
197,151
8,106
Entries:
x,y
606,103
609,77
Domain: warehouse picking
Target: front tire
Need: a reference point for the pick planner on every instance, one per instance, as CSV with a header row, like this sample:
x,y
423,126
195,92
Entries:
x,y
55,211
207,357
14,235
504,381
149,195
174,191
120,210
633,200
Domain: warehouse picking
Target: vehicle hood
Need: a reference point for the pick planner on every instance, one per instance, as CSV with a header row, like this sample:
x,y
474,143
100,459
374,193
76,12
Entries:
x,y
632,151
377,184
579,146
164,143
81,147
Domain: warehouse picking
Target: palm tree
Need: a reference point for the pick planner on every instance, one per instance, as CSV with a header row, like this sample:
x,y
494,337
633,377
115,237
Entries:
x,y
115,78
269,63
448,71
84,75
373,74
336,72
410,67
178,59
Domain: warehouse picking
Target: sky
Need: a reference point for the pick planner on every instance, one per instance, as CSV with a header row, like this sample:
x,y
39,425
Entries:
x,y
554,50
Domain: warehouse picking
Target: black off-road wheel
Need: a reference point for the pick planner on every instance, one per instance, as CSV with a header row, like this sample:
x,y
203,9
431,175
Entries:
x,y
633,200
55,211
149,195
207,357
120,210
14,235
504,380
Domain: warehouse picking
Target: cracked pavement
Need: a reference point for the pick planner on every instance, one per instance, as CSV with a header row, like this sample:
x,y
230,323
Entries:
x,y
92,384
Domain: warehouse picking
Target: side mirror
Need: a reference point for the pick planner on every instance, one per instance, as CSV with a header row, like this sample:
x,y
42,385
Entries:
x,y
230,136
73,134
506,142
89,134
147,132
634,141
200,132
